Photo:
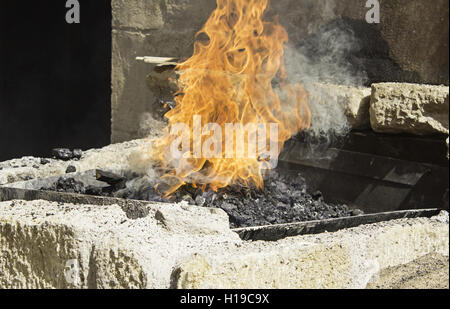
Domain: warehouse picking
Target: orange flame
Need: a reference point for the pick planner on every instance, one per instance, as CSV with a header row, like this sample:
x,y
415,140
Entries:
x,y
235,76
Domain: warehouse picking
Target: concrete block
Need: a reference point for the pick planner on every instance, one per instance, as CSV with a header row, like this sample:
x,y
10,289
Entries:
x,y
347,259
40,239
410,108
56,245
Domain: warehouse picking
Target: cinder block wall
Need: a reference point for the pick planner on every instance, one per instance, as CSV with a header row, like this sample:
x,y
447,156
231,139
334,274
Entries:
x,y
410,44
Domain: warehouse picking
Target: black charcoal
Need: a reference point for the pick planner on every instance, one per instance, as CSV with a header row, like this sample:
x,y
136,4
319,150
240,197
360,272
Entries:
x,y
62,154
108,177
77,153
283,200
71,169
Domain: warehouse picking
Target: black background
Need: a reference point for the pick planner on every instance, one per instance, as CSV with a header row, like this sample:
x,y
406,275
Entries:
x,y
277,298
54,77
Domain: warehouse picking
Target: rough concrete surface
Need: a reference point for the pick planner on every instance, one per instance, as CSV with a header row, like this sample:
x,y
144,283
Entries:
x,y
181,246
409,108
428,272
409,45
38,238
346,259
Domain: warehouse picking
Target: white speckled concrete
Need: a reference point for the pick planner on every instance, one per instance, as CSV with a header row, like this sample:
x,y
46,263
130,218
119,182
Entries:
x,y
191,247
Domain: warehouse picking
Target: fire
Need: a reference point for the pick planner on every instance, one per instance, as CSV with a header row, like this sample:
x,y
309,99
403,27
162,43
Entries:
x,y
236,76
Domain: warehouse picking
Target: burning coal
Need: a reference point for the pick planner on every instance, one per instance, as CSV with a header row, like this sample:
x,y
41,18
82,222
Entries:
x,y
235,81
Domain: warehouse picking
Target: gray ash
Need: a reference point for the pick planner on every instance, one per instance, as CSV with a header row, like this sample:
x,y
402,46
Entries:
x,y
283,200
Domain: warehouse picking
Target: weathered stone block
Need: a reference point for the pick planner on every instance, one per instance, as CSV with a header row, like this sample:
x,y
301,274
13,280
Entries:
x,y
347,259
39,239
181,246
410,108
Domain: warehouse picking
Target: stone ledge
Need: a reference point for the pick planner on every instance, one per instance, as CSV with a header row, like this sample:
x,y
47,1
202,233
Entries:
x,y
39,237
346,259
180,246
409,108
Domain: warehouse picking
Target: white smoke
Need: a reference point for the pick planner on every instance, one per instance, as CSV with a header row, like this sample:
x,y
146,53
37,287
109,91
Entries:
x,y
322,60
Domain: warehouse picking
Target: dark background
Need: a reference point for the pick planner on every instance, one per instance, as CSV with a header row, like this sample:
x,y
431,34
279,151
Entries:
x,y
54,77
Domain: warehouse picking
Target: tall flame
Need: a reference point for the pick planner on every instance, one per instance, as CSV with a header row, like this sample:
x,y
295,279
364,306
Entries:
x,y
235,76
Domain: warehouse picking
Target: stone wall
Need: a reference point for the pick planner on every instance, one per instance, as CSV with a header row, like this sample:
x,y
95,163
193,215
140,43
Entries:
x,y
409,45
188,247
147,28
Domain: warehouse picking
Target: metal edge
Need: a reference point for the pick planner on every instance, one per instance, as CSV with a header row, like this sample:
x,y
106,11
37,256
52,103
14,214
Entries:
x,y
133,208
277,232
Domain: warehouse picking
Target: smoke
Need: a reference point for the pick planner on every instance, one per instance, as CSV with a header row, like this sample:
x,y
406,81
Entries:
x,y
325,59
326,56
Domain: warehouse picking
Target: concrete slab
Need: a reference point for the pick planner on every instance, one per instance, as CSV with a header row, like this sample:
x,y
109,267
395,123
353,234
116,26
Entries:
x,y
409,108
178,246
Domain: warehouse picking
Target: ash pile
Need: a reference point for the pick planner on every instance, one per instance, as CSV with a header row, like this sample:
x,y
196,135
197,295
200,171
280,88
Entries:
x,y
285,198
